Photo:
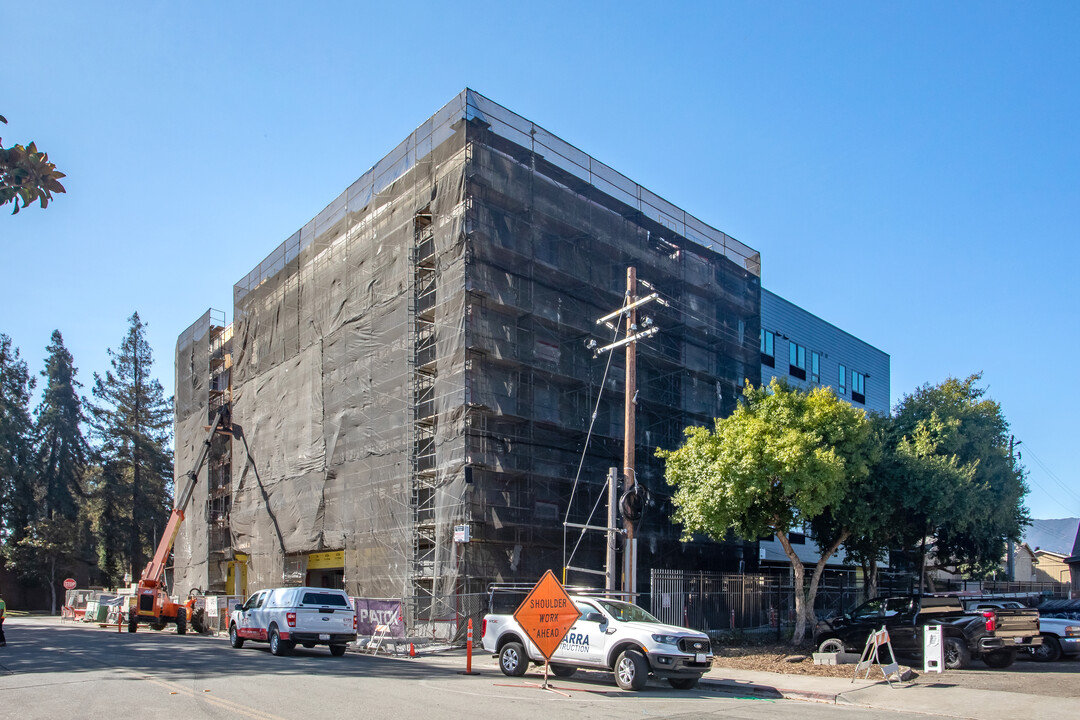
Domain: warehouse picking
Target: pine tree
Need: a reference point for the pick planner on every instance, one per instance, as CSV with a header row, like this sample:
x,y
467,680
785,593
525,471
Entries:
x,y
16,476
132,420
62,451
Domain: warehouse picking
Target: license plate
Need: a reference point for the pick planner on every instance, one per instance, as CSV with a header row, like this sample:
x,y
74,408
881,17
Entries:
x,y
700,657
1018,640
324,636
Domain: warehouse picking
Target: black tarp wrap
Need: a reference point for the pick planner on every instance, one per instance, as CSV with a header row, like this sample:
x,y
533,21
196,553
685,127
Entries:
x,y
192,403
366,437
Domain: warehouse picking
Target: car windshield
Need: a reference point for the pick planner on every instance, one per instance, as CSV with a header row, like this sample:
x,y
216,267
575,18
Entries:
x,y
626,612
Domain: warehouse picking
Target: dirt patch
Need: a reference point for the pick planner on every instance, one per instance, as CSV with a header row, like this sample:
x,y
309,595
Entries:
x,y
773,658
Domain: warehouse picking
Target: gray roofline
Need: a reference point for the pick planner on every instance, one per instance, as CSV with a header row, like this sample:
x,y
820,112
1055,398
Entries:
x,y
470,104
819,318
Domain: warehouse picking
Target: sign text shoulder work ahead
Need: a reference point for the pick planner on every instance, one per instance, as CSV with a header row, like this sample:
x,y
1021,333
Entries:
x,y
546,614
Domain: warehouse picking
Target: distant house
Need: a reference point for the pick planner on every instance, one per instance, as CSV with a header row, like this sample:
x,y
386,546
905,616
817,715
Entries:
x,y
1073,562
1050,567
1024,561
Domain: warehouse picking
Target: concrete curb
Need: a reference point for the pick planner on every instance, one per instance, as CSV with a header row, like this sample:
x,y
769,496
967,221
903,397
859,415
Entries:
x,y
768,692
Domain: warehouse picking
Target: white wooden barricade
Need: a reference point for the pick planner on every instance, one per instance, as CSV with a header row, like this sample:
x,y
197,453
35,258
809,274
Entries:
x,y
870,656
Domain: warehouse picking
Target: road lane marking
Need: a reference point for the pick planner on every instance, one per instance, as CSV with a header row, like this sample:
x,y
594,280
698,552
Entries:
x,y
176,688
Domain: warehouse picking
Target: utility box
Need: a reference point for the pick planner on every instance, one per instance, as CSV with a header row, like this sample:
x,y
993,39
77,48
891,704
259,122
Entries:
x,y
933,649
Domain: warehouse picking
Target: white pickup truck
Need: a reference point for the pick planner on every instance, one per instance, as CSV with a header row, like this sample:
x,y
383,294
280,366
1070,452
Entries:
x,y
610,635
287,617
1061,636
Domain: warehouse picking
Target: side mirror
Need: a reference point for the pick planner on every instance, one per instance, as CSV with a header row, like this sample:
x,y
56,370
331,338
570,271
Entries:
x,y
238,608
595,617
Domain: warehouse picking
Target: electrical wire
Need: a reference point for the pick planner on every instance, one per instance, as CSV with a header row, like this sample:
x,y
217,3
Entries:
x,y
1050,473
584,450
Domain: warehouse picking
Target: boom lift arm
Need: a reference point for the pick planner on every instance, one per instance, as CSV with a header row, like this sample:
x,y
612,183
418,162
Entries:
x,y
151,604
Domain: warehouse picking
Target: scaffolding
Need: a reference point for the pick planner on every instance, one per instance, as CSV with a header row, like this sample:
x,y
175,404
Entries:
x,y
415,359
203,386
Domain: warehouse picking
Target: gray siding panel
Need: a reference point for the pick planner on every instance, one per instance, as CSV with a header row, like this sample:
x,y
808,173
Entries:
x,y
793,324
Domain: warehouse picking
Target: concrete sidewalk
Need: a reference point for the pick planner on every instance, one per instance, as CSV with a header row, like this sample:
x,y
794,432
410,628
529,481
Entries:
x,y
926,696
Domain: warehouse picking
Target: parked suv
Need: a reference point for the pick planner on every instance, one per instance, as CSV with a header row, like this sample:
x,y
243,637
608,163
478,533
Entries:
x,y
286,617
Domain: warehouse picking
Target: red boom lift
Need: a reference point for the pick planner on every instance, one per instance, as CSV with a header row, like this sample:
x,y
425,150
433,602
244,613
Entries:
x,y
152,604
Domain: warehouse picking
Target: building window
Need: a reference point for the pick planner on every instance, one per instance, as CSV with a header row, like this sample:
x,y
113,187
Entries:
x,y
815,367
797,360
842,387
768,342
858,387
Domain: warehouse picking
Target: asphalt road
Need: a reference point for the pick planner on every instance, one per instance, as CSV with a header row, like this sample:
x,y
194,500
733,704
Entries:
x,y
53,670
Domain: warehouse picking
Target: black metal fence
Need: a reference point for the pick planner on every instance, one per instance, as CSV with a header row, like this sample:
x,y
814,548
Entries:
x,y
725,602
728,602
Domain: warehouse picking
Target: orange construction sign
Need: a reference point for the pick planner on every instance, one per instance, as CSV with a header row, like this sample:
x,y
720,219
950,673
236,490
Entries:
x,y
546,614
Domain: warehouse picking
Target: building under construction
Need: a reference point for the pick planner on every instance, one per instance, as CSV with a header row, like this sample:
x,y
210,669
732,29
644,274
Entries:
x,y
420,357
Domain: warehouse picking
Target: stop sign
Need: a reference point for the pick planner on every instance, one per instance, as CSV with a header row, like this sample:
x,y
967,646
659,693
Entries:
x,y
70,584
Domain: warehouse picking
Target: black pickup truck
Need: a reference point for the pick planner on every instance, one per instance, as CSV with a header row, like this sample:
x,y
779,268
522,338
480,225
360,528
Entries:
x,y
993,636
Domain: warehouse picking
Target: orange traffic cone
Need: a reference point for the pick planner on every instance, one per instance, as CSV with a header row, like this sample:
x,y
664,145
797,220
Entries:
x,y
412,650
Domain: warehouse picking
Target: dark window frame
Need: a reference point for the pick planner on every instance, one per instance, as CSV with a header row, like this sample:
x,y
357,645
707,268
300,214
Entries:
x,y
796,360
858,387
768,348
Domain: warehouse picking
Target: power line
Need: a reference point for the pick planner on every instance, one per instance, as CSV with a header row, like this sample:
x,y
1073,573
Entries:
x,y
584,450
1050,473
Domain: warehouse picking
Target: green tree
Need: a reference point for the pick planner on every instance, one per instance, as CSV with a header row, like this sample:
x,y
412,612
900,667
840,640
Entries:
x,y
107,505
27,175
784,457
16,470
132,421
62,451
44,554
965,491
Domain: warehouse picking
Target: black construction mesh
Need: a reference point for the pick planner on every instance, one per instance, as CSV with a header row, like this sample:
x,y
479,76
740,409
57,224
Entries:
x,y
415,359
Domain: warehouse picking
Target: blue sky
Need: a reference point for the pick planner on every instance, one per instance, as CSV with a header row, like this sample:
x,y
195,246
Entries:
x,y
909,171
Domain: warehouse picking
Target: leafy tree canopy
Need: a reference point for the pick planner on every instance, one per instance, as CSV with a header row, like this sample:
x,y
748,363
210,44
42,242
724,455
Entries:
x,y
27,175
951,450
16,488
780,459
785,457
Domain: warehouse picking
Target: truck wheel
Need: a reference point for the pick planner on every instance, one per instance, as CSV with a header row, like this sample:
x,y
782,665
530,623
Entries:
x,y
563,671
1049,651
631,670
831,645
683,683
337,650
234,637
957,656
181,624
198,621
999,659
512,659
278,646
132,625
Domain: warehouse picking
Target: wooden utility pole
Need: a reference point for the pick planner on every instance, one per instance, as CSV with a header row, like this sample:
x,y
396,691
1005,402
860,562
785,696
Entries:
x,y
611,320
629,419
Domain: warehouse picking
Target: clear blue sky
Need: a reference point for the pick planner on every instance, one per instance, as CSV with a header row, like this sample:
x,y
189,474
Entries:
x,y
909,171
